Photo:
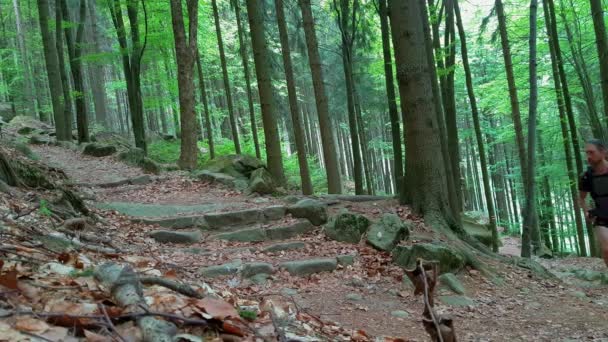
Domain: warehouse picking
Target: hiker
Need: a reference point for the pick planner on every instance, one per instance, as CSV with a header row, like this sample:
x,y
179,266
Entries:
x,y
595,181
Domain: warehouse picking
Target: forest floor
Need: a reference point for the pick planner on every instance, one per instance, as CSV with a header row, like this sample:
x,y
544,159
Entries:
x,y
367,298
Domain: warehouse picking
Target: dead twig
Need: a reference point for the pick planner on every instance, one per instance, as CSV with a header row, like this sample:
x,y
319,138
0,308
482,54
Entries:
x,y
184,289
35,335
111,326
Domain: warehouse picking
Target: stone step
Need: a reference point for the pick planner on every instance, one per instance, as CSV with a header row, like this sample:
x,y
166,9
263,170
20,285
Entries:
x,y
268,234
300,268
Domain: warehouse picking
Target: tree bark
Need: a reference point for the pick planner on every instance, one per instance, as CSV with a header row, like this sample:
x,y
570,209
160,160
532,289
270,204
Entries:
x,y
261,58
293,101
478,133
52,69
566,139
390,93
515,112
220,42
75,52
31,97
597,12
244,58
423,148
208,126
67,93
186,53
334,183
97,74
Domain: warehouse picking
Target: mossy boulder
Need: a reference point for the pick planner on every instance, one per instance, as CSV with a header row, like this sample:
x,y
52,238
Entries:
x,y
133,156
347,227
99,150
313,210
448,258
150,166
40,139
387,232
261,182
235,165
481,232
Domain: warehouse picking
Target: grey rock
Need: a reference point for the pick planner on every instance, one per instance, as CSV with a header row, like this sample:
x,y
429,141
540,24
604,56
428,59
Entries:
x,y
273,213
313,210
231,268
289,231
449,259
310,266
347,227
157,210
234,218
588,275
178,222
288,292
260,278
579,294
133,156
99,150
356,282
195,250
346,260
150,166
457,300
141,180
39,139
400,314
244,235
291,199
261,182
407,283
354,297
215,177
238,166
168,236
452,282
287,246
388,232
254,268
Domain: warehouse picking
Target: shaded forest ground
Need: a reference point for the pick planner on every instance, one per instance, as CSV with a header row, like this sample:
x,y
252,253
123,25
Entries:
x,y
369,295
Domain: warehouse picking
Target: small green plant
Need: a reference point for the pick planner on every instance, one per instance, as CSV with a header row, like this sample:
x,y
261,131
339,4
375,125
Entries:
x,y
248,315
44,209
88,272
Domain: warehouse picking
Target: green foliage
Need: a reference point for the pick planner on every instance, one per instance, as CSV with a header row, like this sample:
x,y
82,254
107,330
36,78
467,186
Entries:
x,y
88,272
248,315
44,209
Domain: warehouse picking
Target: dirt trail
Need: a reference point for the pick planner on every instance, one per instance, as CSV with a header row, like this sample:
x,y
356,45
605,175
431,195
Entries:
x,y
522,308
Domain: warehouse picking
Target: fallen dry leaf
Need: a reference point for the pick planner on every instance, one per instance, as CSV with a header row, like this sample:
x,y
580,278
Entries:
x,y
31,325
9,280
93,337
217,308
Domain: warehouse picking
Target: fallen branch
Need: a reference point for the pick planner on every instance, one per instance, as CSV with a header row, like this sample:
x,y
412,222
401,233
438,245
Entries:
x,y
102,308
184,289
126,289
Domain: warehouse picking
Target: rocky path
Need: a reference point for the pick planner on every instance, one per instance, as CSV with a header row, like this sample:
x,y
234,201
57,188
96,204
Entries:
x,y
256,248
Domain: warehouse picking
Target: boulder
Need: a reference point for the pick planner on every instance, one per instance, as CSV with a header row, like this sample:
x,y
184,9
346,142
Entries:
x,y
388,232
289,231
99,150
133,156
313,210
285,246
457,301
347,227
261,182
481,232
452,282
230,268
346,260
245,235
150,166
25,130
39,139
449,259
306,267
254,268
169,236
238,166
215,177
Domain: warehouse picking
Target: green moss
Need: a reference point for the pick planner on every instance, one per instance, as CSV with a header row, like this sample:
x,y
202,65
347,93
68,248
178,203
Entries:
x,y
84,273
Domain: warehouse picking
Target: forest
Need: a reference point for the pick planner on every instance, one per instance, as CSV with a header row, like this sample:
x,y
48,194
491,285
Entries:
x,y
480,107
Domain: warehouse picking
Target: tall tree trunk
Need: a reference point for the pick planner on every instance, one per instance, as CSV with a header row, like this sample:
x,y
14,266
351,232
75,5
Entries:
x,y
220,42
476,124
530,244
390,93
597,11
244,58
52,70
332,170
566,138
65,81
547,222
186,53
498,178
208,127
450,101
423,146
515,112
347,40
97,74
75,52
261,58
28,83
293,101
131,65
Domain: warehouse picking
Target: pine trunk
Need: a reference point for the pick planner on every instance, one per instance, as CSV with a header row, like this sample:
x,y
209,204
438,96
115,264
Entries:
x,y
261,58
597,12
208,125
334,184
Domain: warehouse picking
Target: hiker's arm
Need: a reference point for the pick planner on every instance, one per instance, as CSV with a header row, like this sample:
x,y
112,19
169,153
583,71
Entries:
x,y
582,196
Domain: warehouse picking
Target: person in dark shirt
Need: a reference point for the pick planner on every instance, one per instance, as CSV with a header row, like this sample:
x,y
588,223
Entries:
x,y
595,182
